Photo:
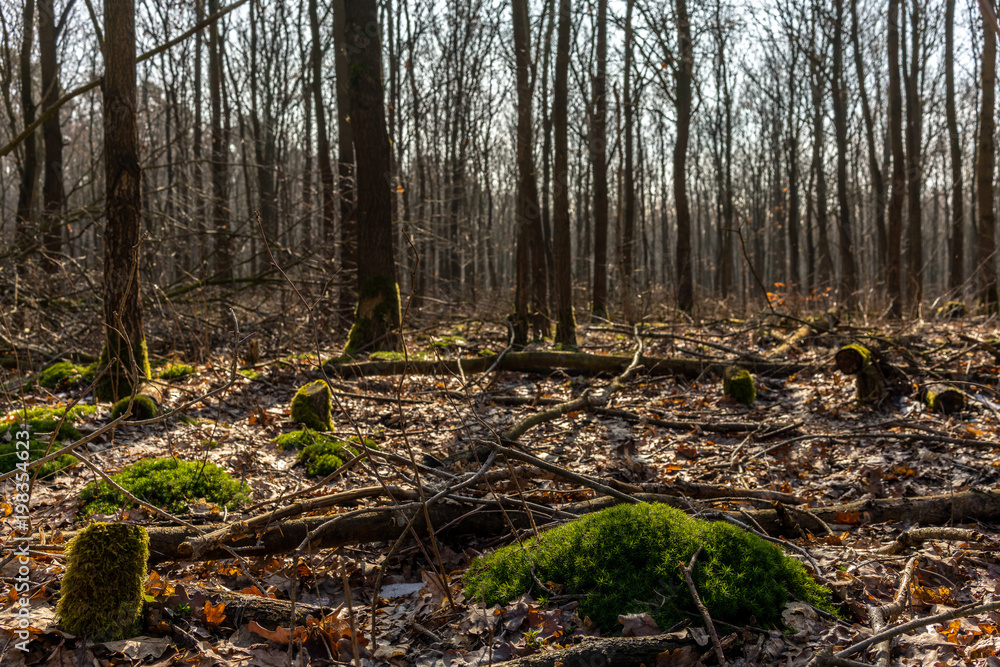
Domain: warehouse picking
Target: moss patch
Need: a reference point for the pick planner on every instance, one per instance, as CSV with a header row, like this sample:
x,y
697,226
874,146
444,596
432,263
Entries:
x,y
167,483
311,406
326,454
625,559
40,419
101,592
65,375
143,407
175,371
377,317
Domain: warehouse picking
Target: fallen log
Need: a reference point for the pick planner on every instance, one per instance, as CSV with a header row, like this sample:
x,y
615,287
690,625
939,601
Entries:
x,y
621,651
545,361
386,524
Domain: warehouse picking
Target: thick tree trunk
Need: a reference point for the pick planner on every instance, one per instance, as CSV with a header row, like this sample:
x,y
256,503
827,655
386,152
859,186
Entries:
x,y
985,237
599,161
956,256
563,247
377,316
29,166
125,340
895,227
685,271
914,172
53,193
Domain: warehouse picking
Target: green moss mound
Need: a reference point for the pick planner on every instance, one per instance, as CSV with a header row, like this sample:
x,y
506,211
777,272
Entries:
x,y
65,375
625,558
40,419
101,592
324,457
738,384
143,407
167,483
311,406
175,371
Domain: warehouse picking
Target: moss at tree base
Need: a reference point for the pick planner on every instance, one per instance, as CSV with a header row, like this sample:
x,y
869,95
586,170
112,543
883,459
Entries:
x,y
377,317
143,407
102,591
625,560
116,383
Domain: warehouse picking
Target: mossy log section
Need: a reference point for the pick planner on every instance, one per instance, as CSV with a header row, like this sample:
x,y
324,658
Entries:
x,y
852,359
544,362
383,526
147,404
311,406
945,399
737,383
857,360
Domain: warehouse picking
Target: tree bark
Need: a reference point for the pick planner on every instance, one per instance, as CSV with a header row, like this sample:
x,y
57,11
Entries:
x,y
563,248
377,316
895,226
122,303
220,154
685,270
599,161
53,192
345,163
985,236
956,256
29,167
914,172
848,269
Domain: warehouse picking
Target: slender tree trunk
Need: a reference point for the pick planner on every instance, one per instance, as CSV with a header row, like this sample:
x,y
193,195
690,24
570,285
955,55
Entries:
x,y
914,123
627,233
895,227
685,273
201,209
377,318
794,274
985,237
563,247
345,163
53,193
848,269
599,161
29,166
122,302
875,172
220,154
956,265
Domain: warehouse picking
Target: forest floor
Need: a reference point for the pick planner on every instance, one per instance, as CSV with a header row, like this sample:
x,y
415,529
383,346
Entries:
x,y
806,439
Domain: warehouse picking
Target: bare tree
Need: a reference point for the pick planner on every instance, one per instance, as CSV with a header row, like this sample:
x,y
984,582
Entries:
x,y
598,158
53,192
563,247
898,192
956,267
985,237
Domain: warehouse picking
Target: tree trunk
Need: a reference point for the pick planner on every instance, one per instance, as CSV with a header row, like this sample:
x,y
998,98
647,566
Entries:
x,y
377,317
685,273
53,193
824,277
956,256
124,338
914,173
563,248
599,161
848,270
201,210
985,237
345,163
895,227
626,234
29,167
220,154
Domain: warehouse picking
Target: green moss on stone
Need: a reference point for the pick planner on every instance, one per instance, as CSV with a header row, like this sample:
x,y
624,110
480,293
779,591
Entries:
x,y
102,590
143,407
311,406
625,560
377,317
168,483
738,384
116,383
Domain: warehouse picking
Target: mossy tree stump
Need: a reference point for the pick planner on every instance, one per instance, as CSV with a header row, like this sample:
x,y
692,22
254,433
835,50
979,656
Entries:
x,y
738,384
945,399
101,592
311,406
857,360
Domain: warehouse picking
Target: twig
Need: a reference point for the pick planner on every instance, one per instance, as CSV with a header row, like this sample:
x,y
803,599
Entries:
x,y
881,616
688,570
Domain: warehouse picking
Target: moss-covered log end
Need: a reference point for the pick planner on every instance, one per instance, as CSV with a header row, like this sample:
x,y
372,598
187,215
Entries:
x,y
738,384
853,359
101,592
311,406
952,310
117,382
944,399
377,318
